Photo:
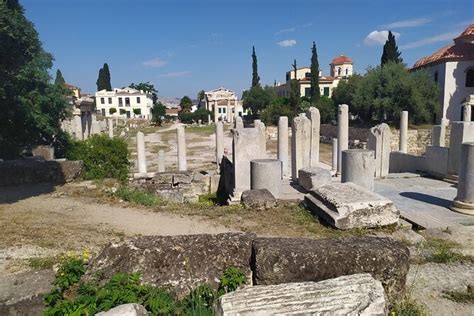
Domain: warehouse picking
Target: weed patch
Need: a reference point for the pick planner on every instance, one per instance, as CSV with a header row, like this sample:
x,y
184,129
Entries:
x,y
137,196
42,263
466,296
443,251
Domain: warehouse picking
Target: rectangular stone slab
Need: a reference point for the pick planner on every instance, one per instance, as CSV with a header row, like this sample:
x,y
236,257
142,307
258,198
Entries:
x,y
357,294
347,205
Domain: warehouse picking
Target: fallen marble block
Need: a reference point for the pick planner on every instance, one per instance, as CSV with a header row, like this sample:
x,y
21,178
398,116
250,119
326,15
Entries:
x,y
357,294
347,205
125,310
312,178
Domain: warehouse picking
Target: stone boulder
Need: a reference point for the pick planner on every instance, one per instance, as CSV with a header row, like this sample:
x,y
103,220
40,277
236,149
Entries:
x,y
312,178
179,263
125,310
285,260
347,205
258,199
358,294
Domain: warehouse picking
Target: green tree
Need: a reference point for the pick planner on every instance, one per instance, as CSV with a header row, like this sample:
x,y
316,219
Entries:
x,y
327,109
158,111
59,78
294,101
201,95
255,77
185,104
257,99
390,51
147,87
103,81
31,108
314,89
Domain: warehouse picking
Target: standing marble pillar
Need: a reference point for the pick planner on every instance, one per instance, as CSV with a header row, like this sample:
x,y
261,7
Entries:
x,y
315,118
379,142
403,141
283,145
209,119
334,154
181,136
78,127
466,112
300,145
161,161
110,124
342,133
228,112
141,153
116,121
464,200
358,167
216,115
239,122
219,143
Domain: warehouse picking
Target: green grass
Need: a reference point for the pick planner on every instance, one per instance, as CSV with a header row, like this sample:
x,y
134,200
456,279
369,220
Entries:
x,y
443,251
205,129
407,307
209,199
137,196
466,296
42,263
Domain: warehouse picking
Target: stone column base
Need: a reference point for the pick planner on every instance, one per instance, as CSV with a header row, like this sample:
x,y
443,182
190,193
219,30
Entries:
x,y
463,207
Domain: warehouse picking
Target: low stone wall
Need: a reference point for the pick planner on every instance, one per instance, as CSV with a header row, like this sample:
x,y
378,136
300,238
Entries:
x,y
179,187
34,170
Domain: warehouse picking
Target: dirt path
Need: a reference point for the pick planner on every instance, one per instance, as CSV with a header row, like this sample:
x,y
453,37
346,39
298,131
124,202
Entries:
x,y
50,223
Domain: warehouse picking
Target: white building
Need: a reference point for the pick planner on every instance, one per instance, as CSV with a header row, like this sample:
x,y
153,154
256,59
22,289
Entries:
x,y
452,67
223,102
126,102
341,68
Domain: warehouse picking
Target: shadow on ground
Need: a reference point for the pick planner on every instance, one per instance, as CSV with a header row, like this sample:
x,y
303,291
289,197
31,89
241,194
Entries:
x,y
427,198
12,194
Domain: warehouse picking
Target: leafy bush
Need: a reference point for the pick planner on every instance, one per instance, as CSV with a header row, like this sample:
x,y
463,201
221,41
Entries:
x,y
103,157
137,111
190,117
89,298
112,111
137,196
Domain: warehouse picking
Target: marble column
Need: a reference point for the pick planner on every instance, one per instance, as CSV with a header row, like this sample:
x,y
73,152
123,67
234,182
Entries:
x,y
315,118
181,136
464,200
216,114
358,167
141,153
300,145
466,110
342,133
110,124
283,144
403,141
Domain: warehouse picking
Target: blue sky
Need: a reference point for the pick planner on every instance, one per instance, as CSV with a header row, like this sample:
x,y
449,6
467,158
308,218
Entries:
x,y
183,46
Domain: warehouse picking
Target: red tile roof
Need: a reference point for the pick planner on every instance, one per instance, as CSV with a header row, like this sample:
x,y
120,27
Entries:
x,y
341,60
463,48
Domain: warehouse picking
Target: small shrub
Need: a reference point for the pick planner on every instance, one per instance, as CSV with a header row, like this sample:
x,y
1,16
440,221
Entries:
x,y
137,111
407,307
137,196
461,296
209,199
231,280
103,157
112,111
442,251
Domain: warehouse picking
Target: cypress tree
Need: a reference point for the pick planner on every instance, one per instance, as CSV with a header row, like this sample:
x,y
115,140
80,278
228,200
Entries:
x,y
59,78
390,51
314,89
255,77
100,80
103,81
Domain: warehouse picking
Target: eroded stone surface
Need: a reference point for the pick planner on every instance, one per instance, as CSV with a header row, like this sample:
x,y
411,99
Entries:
x,y
312,178
125,310
358,294
285,260
258,199
179,263
347,205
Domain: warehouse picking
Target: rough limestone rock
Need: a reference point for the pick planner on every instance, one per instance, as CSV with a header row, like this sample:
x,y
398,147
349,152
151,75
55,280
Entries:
x,y
125,310
358,294
285,260
258,199
312,178
179,263
347,205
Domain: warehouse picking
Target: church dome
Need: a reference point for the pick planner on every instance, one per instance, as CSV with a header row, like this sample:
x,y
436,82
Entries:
x,y
341,60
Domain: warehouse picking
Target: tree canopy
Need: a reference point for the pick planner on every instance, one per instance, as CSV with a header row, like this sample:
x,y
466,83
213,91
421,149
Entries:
x,y
59,78
385,91
255,77
186,104
147,87
314,89
390,51
31,107
103,81
258,99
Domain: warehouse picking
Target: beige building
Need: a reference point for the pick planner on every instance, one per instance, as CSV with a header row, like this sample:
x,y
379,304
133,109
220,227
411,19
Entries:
x,y
341,68
452,67
224,103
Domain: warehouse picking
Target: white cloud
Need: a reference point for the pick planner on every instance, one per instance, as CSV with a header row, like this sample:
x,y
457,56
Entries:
x,y
430,40
287,43
378,37
294,28
154,63
408,23
176,74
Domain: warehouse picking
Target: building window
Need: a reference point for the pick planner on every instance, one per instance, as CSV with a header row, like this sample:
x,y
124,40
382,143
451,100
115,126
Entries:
x,y
307,75
470,77
102,101
339,71
138,99
436,77
120,102
224,110
127,101
288,76
307,92
219,110
347,71
326,91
